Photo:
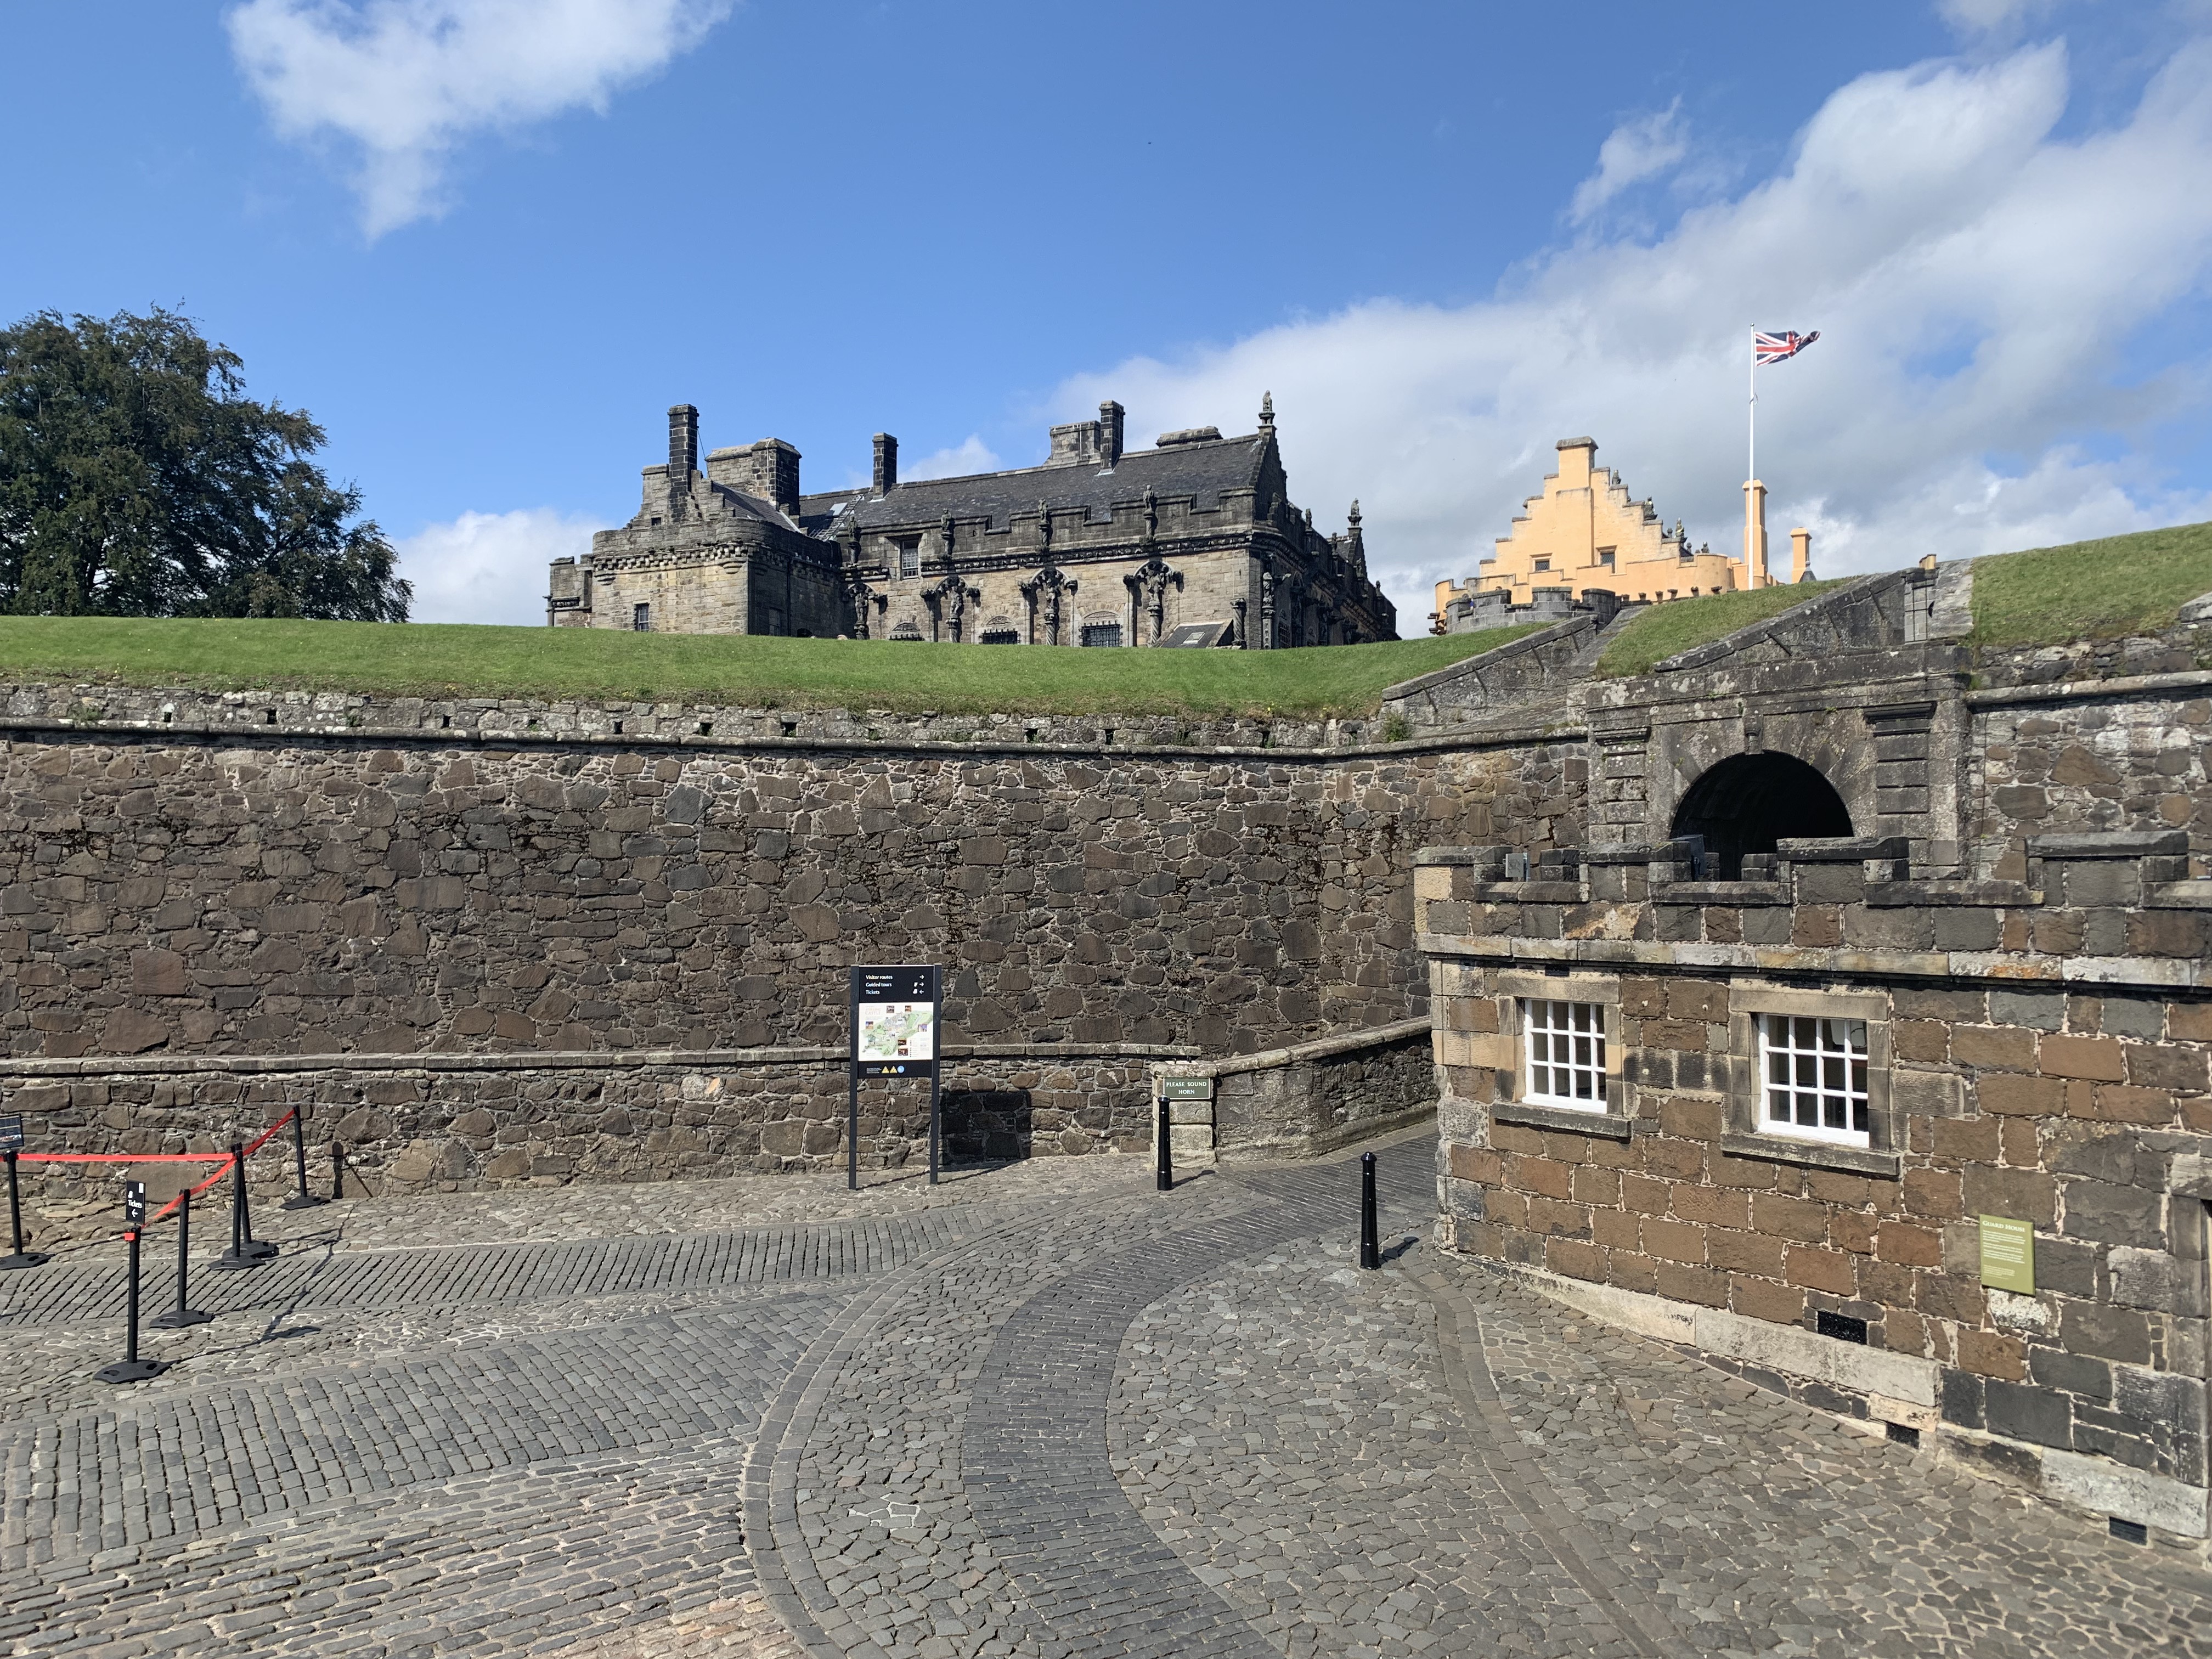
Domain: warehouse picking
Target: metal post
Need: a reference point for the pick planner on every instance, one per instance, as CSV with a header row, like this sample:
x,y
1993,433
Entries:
x,y
130,1368
184,1313
337,1170
1370,1246
1164,1174
852,1130
244,1251
935,1081
21,1258
303,1200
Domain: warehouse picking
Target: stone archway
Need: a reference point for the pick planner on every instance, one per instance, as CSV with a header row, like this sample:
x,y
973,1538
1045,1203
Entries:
x,y
1747,803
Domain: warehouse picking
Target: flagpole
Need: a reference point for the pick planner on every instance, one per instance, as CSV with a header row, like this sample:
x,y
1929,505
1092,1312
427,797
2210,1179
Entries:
x,y
1751,452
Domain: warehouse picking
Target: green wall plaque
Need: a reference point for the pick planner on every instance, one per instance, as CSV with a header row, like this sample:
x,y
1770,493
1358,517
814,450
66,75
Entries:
x,y
2009,1254
1186,1088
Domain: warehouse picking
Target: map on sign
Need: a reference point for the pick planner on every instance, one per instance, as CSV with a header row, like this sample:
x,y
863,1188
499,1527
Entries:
x,y
896,1030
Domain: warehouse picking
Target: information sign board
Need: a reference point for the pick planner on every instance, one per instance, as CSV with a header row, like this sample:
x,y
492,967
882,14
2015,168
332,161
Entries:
x,y
895,1021
1186,1088
2009,1254
134,1202
11,1133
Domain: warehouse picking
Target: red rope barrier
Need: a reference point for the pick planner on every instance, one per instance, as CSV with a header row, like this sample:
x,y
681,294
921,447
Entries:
x,y
257,1145
124,1157
195,1191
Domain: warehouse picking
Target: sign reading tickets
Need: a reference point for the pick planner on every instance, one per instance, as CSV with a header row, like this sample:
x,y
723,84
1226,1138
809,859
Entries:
x,y
2009,1254
895,1022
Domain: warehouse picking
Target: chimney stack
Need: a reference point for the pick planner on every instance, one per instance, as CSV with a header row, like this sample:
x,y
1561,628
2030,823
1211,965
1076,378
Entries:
x,y
886,463
1109,433
1754,535
683,444
1801,555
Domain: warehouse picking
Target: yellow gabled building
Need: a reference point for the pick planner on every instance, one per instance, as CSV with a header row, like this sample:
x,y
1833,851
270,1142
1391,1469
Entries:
x,y
1583,532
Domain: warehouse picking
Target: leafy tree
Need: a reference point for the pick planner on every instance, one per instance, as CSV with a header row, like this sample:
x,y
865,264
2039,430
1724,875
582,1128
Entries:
x,y
136,479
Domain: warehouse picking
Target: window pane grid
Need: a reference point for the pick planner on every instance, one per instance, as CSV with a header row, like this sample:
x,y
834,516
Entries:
x,y
1816,1078
1564,1051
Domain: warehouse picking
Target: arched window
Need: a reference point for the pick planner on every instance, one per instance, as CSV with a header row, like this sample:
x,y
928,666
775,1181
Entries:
x,y
1748,802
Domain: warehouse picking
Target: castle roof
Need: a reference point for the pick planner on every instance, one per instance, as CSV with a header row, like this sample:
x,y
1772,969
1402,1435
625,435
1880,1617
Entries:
x,y
1202,469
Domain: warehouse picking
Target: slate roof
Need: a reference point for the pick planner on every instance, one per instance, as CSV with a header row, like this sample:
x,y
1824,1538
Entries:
x,y
1200,469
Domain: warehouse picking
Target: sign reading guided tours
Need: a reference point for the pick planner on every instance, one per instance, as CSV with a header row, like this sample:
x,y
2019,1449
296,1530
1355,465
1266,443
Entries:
x,y
2009,1254
894,1014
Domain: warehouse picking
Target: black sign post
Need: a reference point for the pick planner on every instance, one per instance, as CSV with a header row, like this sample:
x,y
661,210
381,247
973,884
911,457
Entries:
x,y
130,1368
894,1015
303,1200
11,1142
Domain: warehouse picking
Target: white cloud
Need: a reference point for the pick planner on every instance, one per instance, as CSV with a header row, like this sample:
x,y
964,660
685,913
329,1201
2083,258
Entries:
x,y
407,80
1976,282
490,567
1633,152
1972,17
971,455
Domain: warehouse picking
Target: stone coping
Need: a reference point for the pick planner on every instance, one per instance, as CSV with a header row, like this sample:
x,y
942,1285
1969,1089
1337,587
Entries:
x,y
1452,741
1999,967
1344,1043
556,1060
2125,685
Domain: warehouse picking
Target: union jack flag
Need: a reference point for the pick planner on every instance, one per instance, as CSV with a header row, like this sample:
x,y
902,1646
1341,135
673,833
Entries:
x,y
1780,348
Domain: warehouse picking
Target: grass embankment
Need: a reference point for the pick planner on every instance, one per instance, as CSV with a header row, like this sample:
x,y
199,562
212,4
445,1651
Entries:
x,y
604,665
2100,590
1664,630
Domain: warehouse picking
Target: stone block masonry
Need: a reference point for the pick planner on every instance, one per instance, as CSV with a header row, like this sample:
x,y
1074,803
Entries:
x,y
184,900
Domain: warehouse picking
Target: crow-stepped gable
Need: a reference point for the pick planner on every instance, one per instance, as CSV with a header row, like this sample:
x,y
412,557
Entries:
x,y
1193,542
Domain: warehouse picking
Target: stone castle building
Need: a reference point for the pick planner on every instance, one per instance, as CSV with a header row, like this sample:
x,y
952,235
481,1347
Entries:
x,y
1584,533
1193,542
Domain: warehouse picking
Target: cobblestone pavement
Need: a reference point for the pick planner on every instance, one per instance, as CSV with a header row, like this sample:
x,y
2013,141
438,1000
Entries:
x,y
1039,1410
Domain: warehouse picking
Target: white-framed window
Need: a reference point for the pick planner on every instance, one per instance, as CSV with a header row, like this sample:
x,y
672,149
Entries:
x,y
1563,1054
1814,1075
909,561
640,618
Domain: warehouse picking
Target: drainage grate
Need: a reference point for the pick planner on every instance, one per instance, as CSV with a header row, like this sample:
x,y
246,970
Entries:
x,y
1842,1326
1903,1433
2130,1532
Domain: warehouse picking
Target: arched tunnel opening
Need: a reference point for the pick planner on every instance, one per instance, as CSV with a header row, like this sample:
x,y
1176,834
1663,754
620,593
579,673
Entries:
x,y
1747,803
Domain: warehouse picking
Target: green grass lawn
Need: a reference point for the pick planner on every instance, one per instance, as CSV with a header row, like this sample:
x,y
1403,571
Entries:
x,y
1679,624
2098,590
439,660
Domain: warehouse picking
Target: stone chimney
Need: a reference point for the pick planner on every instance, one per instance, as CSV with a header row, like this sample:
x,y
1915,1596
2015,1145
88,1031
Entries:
x,y
1578,460
1110,421
683,444
1754,535
1801,555
887,475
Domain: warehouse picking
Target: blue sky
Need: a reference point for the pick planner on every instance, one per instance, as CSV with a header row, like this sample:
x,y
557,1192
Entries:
x,y
487,242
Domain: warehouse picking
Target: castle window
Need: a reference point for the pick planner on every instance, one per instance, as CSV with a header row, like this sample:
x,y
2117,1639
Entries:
x,y
1543,564
1814,1076
640,618
909,560
1001,636
907,630
1605,558
1563,1054
1102,632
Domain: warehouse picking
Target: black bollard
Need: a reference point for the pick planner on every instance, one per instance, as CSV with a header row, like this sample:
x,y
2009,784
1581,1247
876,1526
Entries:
x,y
1370,1246
21,1258
303,1200
337,1170
130,1368
244,1251
184,1313
1163,1178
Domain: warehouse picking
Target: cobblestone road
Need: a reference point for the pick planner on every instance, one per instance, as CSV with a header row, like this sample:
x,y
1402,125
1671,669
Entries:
x,y
1039,1410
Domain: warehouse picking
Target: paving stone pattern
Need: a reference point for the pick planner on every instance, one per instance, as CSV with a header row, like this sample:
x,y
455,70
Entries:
x,y
1015,1417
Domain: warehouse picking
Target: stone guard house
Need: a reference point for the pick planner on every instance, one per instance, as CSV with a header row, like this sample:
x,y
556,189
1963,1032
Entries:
x,y
1194,541
1862,1044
